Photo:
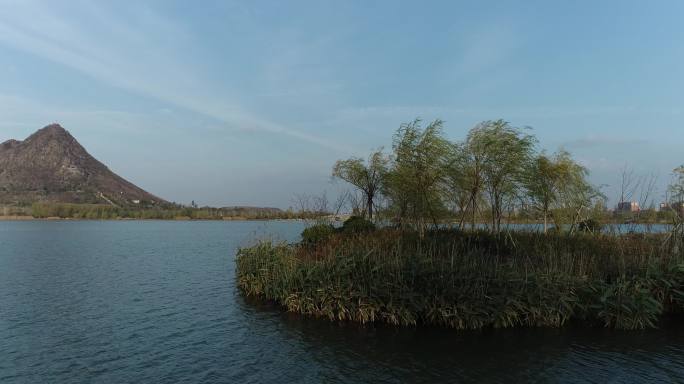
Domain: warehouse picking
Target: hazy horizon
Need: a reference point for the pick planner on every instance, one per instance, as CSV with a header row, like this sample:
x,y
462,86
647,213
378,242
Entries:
x,y
250,104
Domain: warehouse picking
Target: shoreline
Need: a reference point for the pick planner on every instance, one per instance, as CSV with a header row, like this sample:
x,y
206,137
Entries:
x,y
185,218
31,218
16,218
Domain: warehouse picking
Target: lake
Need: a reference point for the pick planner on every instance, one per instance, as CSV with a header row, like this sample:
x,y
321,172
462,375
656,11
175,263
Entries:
x,y
155,301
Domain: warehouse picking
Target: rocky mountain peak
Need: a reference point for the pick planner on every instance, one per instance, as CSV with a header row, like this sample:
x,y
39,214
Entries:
x,y
51,165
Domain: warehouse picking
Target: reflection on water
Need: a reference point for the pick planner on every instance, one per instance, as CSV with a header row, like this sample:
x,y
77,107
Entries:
x,y
156,302
518,355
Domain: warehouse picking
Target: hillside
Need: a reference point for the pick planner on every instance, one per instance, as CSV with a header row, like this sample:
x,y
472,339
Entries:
x,y
51,166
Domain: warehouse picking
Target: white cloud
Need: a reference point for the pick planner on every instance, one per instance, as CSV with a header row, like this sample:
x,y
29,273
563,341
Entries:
x,y
140,52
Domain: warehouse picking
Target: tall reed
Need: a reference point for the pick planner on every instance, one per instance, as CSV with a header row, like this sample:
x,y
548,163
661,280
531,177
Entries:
x,y
471,280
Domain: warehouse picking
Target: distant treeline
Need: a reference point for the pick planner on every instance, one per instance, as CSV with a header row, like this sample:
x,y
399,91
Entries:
x,y
103,211
14,210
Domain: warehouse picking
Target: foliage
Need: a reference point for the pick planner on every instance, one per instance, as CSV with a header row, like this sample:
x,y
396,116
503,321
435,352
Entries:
x,y
590,225
15,210
542,182
357,224
76,211
576,194
504,152
367,177
676,192
317,233
458,181
104,211
414,183
676,188
558,183
471,280
495,172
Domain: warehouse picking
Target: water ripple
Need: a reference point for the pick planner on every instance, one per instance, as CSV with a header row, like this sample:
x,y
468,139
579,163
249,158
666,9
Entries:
x,y
130,302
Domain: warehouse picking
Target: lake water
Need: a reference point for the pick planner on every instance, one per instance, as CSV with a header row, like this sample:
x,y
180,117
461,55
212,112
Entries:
x,y
155,302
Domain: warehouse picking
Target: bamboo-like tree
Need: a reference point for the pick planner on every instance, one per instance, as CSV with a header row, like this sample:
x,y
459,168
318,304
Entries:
x,y
546,178
542,185
366,176
474,155
415,182
503,152
457,181
495,167
576,193
676,192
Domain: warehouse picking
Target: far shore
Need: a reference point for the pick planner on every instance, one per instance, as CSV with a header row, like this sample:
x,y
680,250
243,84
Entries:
x,y
182,218
16,218
237,218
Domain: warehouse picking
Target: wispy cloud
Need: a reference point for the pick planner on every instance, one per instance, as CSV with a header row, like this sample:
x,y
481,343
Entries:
x,y
21,116
601,141
139,51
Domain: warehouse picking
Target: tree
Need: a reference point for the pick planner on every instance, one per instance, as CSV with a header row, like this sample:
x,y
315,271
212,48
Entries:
x,y
542,185
636,187
474,155
576,193
366,176
457,181
415,183
546,178
496,167
676,192
502,153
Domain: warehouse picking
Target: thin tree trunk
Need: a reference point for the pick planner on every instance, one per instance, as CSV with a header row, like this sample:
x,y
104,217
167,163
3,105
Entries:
x,y
370,207
474,205
464,212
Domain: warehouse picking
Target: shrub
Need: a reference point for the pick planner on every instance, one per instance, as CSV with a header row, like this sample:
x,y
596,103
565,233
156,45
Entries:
x,y
357,224
590,226
317,233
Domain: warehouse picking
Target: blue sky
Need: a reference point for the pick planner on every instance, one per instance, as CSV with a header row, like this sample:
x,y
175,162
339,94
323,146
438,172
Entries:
x,y
252,102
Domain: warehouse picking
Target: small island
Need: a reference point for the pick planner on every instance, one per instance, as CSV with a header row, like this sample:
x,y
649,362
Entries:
x,y
432,242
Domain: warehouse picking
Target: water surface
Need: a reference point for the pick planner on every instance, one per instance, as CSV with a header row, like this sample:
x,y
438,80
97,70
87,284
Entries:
x,y
155,301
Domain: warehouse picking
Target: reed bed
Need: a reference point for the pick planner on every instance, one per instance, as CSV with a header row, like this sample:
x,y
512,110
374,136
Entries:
x,y
471,280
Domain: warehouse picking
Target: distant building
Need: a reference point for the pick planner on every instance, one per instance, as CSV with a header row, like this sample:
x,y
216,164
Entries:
x,y
628,207
677,207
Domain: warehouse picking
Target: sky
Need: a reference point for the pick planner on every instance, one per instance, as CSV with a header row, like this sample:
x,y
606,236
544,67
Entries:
x,y
251,102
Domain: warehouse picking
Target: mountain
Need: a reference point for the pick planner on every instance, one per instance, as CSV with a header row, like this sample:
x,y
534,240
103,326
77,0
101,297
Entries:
x,y
51,166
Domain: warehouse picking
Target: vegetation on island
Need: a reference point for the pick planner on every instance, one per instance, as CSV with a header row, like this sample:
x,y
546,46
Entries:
x,y
494,175
419,253
471,280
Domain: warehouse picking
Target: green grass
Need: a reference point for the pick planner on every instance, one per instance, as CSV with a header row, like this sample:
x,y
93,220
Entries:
x,y
471,280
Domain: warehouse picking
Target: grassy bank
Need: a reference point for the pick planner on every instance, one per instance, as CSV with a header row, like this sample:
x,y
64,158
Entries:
x,y
471,280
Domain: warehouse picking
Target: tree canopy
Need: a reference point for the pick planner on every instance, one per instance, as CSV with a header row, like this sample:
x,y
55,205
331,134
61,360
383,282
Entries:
x,y
494,171
366,176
